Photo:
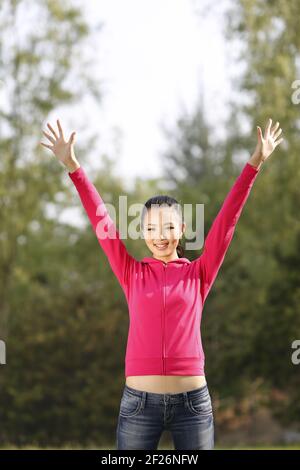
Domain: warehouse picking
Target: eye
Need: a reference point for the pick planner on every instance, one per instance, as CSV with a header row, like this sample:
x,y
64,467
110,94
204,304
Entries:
x,y
172,228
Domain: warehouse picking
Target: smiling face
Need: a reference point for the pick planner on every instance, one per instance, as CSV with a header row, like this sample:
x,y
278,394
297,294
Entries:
x,y
162,230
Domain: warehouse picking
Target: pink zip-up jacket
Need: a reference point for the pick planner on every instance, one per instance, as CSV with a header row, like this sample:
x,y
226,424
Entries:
x,y
165,300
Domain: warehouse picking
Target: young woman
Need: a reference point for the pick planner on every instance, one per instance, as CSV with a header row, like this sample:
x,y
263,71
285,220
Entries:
x,y
165,386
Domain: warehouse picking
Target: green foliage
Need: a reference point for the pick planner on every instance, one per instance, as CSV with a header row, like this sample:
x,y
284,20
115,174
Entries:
x,y
65,336
251,316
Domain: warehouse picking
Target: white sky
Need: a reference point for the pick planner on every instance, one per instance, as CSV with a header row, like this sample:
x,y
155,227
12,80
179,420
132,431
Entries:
x,y
155,57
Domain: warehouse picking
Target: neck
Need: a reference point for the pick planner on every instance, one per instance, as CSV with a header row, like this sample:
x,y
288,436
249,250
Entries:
x,y
166,259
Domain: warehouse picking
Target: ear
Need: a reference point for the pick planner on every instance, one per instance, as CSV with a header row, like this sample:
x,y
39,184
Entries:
x,y
183,228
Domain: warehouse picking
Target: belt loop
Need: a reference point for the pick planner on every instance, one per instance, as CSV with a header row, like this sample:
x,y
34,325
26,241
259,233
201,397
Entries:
x,y
143,399
185,398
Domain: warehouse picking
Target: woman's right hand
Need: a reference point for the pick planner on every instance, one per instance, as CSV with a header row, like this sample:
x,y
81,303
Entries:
x,y
62,149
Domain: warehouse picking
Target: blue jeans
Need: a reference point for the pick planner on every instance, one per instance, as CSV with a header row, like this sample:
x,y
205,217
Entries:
x,y
143,416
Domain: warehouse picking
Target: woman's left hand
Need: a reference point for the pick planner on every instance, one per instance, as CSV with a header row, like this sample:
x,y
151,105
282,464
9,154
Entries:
x,y
268,142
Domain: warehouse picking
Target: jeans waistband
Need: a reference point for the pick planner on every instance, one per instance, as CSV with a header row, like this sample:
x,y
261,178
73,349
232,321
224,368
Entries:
x,y
171,397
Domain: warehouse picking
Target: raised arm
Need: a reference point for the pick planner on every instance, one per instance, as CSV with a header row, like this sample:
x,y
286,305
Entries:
x,y
221,232
107,234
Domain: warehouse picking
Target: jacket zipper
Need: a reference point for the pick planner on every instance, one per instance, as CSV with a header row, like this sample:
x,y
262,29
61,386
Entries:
x,y
164,305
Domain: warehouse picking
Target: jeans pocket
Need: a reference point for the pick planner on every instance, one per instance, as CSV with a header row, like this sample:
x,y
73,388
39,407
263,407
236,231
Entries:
x,y
130,405
200,405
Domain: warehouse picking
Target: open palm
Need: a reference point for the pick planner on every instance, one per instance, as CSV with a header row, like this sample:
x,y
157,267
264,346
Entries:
x,y
62,149
268,142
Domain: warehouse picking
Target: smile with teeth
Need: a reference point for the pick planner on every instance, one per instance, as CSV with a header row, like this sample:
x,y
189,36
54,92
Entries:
x,y
161,245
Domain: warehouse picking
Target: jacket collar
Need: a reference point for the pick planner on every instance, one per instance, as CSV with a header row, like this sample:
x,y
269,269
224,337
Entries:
x,y
176,261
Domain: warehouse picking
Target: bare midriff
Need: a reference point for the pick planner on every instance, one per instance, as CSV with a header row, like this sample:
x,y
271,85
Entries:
x,y
165,383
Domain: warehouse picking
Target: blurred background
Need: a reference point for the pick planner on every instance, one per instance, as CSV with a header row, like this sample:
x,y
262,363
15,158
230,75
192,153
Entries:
x,y
165,98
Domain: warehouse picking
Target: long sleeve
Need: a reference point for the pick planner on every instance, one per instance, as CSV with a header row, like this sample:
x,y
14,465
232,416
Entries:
x,y
107,234
221,232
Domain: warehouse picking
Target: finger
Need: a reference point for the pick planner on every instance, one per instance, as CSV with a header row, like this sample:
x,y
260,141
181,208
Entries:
x,y
61,134
267,130
52,130
72,138
278,142
259,132
49,137
277,133
45,145
274,127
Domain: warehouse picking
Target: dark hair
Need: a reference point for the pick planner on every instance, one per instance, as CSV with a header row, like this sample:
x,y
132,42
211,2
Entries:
x,y
163,200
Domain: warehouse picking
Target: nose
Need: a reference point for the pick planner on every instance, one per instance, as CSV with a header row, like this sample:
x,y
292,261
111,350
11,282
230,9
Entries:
x,y
163,236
